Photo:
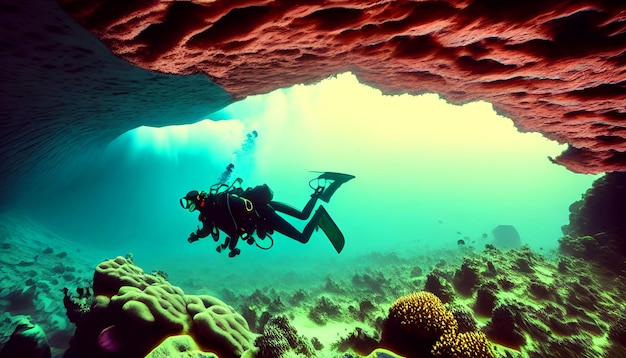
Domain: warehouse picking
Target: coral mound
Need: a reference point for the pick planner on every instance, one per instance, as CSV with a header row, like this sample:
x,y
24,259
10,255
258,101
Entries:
x,y
112,274
597,227
539,305
134,311
463,345
28,340
419,325
217,322
415,322
179,346
280,339
422,314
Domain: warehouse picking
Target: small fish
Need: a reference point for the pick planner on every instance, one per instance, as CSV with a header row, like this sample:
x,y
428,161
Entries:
x,y
461,242
459,233
484,236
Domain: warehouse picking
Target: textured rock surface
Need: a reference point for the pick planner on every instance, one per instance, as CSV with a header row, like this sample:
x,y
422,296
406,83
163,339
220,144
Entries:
x,y
596,229
35,266
554,67
28,340
63,96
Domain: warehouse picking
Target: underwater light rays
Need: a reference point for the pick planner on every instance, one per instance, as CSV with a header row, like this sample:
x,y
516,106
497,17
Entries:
x,y
445,161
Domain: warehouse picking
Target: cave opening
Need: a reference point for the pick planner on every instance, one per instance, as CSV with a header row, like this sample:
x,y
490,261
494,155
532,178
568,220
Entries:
x,y
428,174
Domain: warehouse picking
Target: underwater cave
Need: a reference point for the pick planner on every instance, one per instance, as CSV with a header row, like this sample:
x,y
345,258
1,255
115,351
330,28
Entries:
x,y
485,140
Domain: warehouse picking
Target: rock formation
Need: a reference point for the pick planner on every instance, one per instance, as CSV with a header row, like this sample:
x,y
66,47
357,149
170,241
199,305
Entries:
x,y
553,67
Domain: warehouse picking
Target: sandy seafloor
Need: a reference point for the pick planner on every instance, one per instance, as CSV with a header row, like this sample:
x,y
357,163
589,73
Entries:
x,y
36,264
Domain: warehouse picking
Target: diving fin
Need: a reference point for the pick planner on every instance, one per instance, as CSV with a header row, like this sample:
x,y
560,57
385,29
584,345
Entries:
x,y
326,223
337,180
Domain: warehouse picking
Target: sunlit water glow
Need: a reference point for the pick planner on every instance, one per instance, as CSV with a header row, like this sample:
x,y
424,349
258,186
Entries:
x,y
428,173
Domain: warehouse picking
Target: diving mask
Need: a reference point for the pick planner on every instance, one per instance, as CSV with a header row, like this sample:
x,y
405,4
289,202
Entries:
x,y
187,204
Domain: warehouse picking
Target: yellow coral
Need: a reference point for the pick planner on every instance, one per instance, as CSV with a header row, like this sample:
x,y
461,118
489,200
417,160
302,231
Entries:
x,y
422,314
162,304
139,310
179,346
463,345
112,274
151,301
218,322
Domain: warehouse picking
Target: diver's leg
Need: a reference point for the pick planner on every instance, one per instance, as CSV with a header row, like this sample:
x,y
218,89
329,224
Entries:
x,y
234,239
319,219
291,211
336,178
282,226
232,246
231,243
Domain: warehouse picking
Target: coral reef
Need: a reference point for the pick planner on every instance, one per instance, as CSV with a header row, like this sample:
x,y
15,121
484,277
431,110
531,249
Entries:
x,y
324,310
133,311
617,336
27,340
505,328
466,279
358,341
422,314
259,306
30,256
541,306
217,322
364,311
463,345
464,318
601,209
415,322
485,299
419,325
597,228
280,339
179,346
77,306
438,283
525,304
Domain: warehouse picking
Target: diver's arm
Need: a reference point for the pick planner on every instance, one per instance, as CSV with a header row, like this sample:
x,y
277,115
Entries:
x,y
207,228
205,231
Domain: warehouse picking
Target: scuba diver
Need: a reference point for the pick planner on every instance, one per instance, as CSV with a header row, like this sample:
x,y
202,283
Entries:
x,y
242,213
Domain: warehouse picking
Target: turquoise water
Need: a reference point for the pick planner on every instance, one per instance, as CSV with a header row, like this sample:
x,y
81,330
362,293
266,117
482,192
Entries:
x,y
428,173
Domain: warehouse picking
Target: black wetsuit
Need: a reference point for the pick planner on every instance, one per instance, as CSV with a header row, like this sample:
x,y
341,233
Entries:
x,y
239,213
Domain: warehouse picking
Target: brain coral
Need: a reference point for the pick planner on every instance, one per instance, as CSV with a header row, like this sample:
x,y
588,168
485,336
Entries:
x,y
179,346
463,345
112,274
134,311
160,303
218,322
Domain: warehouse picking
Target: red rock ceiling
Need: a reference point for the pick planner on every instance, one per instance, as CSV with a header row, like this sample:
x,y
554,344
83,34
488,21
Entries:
x,y
557,67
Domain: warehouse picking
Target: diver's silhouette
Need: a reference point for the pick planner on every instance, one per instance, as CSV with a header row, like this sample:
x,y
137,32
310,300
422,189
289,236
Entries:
x,y
242,213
